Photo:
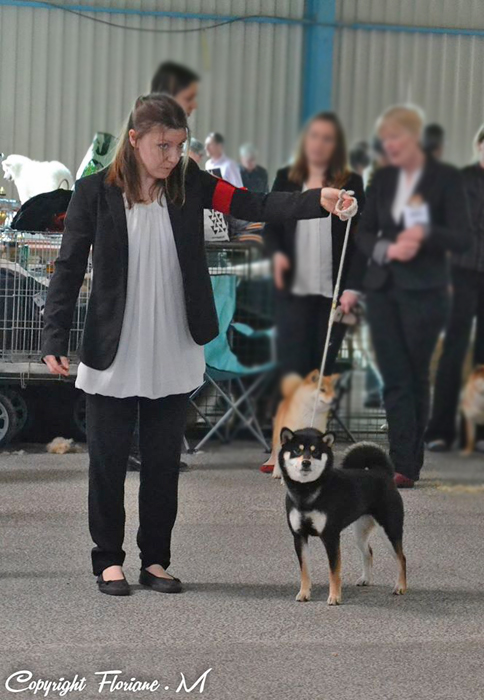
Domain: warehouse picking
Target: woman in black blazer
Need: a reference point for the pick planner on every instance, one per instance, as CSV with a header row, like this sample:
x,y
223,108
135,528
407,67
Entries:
x,y
149,181
416,212
304,276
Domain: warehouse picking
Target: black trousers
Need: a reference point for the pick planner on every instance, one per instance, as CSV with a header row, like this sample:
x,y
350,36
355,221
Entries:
x,y
301,323
405,326
110,425
467,303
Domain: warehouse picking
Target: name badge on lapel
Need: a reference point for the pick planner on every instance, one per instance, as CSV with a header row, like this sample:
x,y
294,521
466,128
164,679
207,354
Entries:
x,y
416,212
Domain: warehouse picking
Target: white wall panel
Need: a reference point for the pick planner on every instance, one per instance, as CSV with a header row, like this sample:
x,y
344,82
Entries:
x,y
63,77
442,73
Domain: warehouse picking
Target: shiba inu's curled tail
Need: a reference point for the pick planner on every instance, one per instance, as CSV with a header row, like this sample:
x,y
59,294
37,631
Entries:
x,y
368,455
290,383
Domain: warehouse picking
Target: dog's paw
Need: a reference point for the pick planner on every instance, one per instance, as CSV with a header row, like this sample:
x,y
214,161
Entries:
x,y
363,581
399,589
303,596
276,474
334,599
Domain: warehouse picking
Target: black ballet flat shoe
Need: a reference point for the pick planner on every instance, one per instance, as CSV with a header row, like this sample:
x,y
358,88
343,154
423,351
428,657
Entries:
x,y
161,585
120,587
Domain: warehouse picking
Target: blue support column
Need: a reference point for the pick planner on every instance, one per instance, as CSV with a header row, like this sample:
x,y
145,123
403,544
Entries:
x,y
317,79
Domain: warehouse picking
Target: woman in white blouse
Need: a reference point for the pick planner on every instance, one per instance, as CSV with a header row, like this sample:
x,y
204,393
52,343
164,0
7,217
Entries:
x,y
150,312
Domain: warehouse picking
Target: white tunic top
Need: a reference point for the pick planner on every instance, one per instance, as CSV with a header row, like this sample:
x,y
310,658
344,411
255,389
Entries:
x,y
314,257
157,355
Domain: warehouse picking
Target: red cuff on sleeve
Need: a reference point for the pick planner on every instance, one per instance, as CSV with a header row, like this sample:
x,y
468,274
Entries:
x,y
222,196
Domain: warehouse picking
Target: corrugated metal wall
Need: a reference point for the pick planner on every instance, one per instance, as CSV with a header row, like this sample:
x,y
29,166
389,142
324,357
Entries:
x,y
441,73
63,77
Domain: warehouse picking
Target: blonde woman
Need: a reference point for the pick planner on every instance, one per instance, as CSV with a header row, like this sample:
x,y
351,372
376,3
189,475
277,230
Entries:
x,y
416,212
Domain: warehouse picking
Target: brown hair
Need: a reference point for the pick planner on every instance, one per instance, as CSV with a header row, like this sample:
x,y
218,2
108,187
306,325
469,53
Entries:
x,y
148,112
338,171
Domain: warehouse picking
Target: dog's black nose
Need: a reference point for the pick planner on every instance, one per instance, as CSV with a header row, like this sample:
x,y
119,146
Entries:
x,y
306,464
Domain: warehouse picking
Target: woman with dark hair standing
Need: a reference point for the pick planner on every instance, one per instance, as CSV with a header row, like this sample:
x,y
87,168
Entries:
x,y
416,213
150,312
306,254
178,81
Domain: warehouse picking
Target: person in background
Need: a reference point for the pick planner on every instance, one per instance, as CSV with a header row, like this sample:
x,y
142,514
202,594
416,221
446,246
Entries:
x,y
360,157
178,81
416,213
254,176
433,141
196,150
220,164
182,84
306,257
467,303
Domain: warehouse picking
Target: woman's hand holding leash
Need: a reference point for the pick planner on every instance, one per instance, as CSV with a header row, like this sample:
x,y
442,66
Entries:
x,y
339,202
57,365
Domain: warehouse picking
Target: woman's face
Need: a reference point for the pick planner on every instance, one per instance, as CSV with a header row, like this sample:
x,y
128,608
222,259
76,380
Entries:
x,y
320,143
400,144
159,151
187,98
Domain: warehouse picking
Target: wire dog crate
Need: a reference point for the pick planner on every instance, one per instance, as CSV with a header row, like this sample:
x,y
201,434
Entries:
x,y
26,267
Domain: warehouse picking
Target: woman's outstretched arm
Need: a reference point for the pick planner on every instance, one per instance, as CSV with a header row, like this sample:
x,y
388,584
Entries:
x,y
274,207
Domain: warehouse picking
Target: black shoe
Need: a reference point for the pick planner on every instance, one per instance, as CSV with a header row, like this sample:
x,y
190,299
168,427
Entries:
x,y
162,585
184,467
120,587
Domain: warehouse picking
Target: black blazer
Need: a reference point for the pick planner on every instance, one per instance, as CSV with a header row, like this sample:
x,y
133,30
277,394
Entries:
x,y
96,217
441,187
281,237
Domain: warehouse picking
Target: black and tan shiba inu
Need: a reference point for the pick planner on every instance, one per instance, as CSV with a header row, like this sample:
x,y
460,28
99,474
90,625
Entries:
x,y
322,501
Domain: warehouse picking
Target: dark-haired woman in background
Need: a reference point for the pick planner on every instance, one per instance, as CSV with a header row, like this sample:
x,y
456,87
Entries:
x,y
178,81
306,255
150,312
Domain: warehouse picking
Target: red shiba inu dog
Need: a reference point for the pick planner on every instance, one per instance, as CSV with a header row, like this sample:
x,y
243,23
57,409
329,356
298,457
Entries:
x,y
473,406
296,409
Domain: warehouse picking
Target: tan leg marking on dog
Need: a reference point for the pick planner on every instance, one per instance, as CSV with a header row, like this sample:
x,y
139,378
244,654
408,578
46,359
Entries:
x,y
334,597
401,585
470,438
363,527
305,590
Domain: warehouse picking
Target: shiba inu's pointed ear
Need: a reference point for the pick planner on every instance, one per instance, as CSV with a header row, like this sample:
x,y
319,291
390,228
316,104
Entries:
x,y
286,435
329,439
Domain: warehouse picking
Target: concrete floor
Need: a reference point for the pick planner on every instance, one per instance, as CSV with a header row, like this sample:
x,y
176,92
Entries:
x,y
238,615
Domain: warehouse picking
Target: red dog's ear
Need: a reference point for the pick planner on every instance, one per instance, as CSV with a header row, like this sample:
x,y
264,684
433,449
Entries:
x,y
329,439
286,435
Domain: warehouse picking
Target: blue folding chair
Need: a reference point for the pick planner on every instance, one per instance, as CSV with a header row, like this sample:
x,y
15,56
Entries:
x,y
224,370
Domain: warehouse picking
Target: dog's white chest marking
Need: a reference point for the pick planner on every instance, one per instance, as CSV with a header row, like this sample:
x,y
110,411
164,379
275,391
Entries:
x,y
313,519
